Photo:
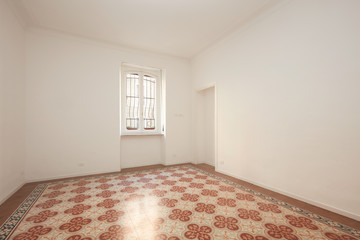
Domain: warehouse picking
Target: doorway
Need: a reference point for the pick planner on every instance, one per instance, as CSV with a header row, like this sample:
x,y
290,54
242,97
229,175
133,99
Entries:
x,y
205,126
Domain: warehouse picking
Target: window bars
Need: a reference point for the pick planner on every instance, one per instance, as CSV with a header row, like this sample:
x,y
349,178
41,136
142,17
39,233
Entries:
x,y
134,99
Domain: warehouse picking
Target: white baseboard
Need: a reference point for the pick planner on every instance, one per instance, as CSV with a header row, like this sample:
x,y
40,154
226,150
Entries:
x,y
59,177
312,202
176,162
141,165
208,163
11,193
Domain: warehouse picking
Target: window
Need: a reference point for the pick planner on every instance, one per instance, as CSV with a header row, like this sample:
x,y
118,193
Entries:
x,y
140,100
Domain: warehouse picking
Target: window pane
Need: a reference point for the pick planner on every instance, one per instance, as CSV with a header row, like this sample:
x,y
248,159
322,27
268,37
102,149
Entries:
x,y
132,102
149,85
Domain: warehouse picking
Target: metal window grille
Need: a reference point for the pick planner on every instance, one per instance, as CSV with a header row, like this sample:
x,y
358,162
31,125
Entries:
x,y
132,102
149,101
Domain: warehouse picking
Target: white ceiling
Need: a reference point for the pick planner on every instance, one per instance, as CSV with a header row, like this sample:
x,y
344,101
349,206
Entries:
x,y
176,27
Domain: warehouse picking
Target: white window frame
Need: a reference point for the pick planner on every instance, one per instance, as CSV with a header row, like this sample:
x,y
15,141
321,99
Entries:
x,y
159,121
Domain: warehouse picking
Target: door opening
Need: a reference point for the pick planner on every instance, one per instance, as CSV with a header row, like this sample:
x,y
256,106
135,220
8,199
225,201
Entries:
x,y
205,126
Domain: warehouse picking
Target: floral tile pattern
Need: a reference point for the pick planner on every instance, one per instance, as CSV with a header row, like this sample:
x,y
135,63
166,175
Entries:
x,y
170,203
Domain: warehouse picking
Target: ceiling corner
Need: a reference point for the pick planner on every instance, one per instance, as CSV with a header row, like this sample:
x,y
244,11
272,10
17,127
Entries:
x,y
20,13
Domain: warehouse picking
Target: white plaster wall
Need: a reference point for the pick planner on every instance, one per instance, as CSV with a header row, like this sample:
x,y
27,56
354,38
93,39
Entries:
x,y
73,108
288,101
12,102
149,154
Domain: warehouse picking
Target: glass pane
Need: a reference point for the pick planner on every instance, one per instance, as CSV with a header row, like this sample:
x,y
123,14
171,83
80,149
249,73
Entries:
x,y
132,102
149,85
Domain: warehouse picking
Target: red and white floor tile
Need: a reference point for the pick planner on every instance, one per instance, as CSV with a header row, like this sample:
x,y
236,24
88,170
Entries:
x,y
168,203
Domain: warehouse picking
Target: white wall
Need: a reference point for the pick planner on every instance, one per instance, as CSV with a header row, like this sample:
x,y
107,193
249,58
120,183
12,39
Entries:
x,y
288,101
151,150
205,128
73,108
12,102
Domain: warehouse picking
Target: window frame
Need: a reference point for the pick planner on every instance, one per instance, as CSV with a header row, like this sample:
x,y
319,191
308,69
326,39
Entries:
x,y
141,71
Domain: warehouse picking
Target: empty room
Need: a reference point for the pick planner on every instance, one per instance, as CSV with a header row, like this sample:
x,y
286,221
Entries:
x,y
179,119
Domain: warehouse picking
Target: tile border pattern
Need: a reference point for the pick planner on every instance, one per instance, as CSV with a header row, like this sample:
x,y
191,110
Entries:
x,y
11,223
9,226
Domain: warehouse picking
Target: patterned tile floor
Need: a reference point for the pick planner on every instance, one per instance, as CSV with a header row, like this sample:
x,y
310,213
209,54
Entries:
x,y
165,204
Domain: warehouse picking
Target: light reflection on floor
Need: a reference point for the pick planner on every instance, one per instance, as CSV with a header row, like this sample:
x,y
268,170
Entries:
x,y
144,214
